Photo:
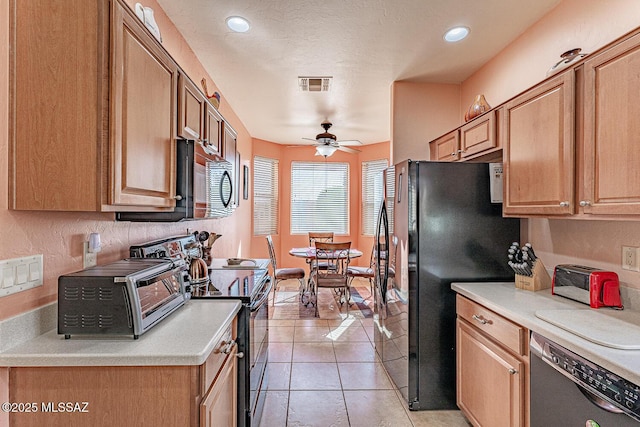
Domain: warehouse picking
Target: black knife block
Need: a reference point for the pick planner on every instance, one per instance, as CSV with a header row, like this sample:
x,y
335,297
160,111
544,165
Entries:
x,y
538,281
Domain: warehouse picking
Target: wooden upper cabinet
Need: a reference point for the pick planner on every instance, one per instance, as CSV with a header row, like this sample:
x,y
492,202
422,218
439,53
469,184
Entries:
x,y
479,135
144,83
611,160
446,148
474,140
191,109
58,98
93,116
212,129
538,141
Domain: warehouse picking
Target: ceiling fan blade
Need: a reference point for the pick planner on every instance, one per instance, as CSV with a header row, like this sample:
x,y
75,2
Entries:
x,y
349,142
348,150
310,139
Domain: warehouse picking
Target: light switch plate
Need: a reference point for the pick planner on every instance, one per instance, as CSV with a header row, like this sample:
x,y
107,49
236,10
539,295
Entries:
x,y
20,274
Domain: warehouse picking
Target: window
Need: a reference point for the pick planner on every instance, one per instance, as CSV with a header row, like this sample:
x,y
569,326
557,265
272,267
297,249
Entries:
x,y
319,197
372,193
265,196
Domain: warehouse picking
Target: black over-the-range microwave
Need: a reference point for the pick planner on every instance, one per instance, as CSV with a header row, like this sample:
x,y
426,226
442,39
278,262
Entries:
x,y
204,187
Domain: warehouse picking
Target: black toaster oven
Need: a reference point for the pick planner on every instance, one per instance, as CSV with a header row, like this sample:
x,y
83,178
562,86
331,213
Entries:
x,y
127,297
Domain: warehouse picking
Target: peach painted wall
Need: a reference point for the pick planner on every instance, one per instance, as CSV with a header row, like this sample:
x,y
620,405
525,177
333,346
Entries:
x,y
284,241
420,112
589,24
59,235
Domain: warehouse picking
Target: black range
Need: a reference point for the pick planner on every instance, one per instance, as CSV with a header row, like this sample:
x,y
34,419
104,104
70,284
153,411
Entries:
x,y
251,286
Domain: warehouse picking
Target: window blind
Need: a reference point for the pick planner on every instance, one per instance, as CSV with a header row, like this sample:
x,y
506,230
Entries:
x,y
319,197
265,196
372,194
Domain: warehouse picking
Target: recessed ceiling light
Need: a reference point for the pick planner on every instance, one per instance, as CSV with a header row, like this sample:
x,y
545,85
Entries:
x,y
456,34
238,24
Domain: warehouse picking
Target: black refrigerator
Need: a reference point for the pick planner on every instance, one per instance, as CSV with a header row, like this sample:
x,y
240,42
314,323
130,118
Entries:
x,y
437,225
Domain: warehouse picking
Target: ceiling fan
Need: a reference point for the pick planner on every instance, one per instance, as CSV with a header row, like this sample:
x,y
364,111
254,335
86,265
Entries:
x,y
326,143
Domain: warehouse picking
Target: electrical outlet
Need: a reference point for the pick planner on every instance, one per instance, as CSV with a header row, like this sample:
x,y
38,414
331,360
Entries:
x,y
90,259
630,258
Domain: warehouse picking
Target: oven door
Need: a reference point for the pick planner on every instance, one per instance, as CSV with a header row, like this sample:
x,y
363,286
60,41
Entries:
x,y
557,400
156,296
259,348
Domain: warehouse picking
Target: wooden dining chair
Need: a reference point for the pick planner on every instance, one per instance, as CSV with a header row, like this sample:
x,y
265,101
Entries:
x,y
280,274
336,254
363,272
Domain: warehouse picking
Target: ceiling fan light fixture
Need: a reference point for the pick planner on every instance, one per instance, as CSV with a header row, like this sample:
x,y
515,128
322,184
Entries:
x,y
238,24
456,34
326,150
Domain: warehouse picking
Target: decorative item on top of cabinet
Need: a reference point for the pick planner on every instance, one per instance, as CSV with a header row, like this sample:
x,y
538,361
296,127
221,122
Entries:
x,y
214,98
568,58
479,106
538,141
146,16
97,127
492,363
611,155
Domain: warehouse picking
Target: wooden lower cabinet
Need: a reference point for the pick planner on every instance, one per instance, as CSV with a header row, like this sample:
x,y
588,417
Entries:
x,y
123,396
218,408
492,378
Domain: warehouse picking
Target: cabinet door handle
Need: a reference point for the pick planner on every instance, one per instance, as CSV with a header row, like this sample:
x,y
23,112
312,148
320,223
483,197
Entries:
x,y
479,319
584,203
453,154
177,197
512,371
229,346
564,204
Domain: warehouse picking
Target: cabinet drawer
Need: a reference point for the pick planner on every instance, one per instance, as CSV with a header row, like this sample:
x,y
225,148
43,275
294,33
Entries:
x,y
511,335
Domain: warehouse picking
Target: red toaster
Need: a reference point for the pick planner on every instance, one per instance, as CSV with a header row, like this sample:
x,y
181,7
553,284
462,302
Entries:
x,y
592,286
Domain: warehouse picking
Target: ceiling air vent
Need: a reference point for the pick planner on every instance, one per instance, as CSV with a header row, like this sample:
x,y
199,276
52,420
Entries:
x,y
314,84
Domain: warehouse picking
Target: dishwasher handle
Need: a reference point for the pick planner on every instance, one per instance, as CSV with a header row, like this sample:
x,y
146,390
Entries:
x,y
598,401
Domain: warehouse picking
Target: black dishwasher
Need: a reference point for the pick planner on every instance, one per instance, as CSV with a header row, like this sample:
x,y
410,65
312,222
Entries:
x,y
569,390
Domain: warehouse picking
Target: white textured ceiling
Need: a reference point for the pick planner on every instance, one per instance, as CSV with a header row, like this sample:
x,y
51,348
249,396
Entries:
x,y
364,45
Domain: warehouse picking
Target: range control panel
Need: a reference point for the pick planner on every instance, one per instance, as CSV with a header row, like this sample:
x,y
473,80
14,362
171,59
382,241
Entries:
x,y
603,383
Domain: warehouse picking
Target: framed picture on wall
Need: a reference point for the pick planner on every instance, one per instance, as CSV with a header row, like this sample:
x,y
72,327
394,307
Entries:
x,y
245,182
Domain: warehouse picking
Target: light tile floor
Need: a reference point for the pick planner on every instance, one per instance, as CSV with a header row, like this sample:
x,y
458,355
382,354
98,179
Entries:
x,y
324,371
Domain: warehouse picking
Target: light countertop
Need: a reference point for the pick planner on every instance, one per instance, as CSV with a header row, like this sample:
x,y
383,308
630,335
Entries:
x,y
185,337
520,306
